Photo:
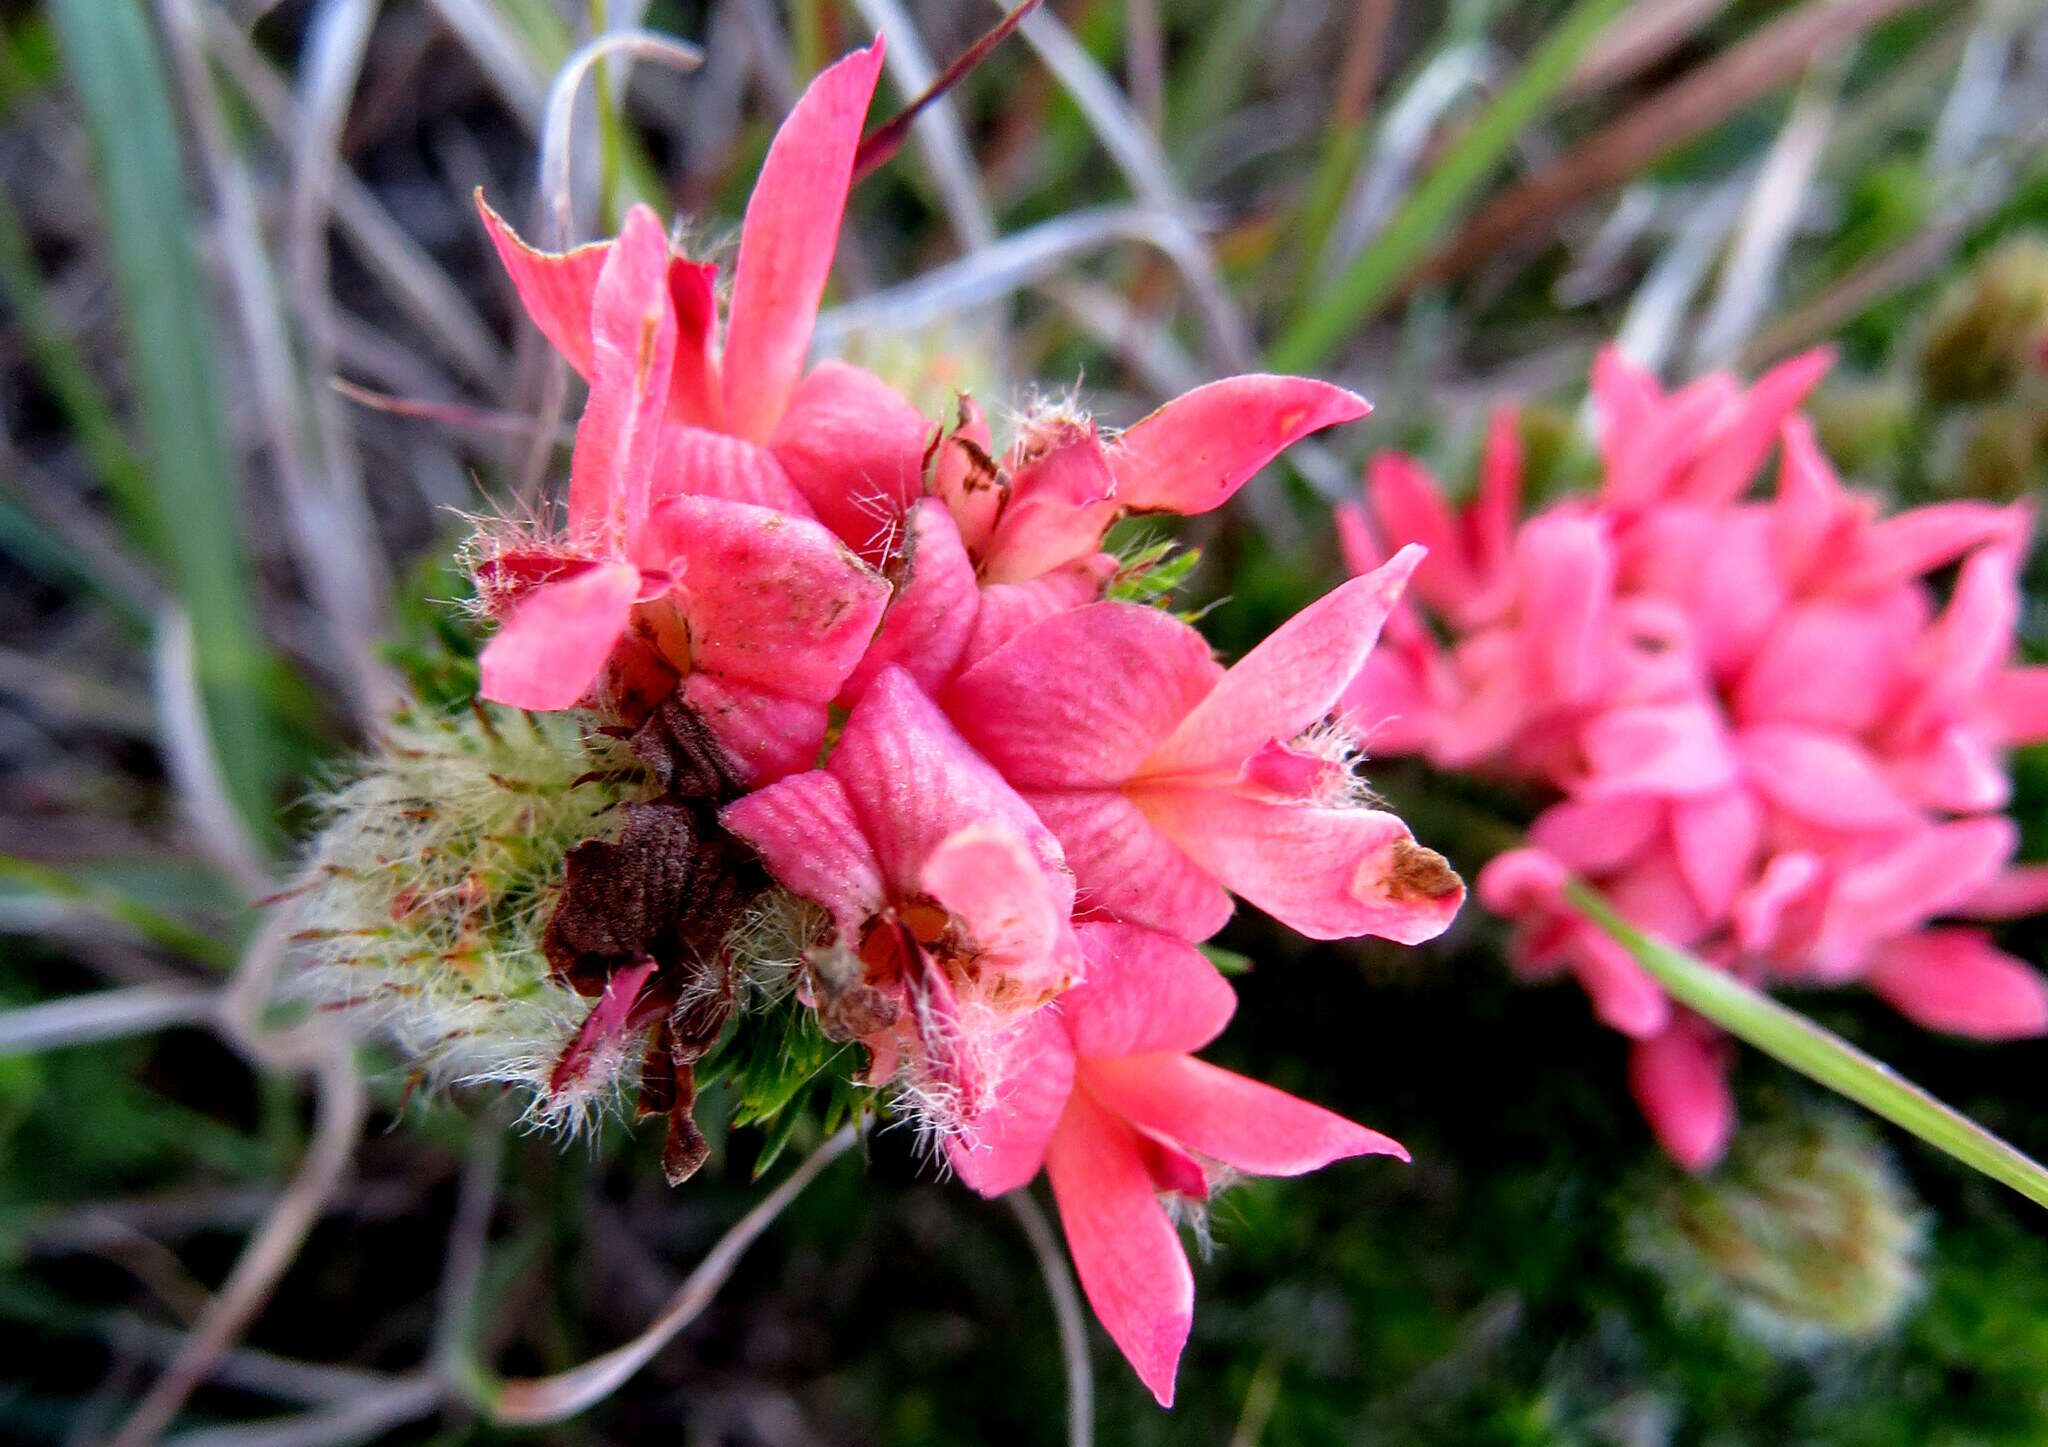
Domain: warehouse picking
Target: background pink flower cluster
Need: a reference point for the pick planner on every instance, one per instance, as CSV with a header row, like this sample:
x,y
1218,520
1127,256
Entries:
x,y
1019,805
1772,741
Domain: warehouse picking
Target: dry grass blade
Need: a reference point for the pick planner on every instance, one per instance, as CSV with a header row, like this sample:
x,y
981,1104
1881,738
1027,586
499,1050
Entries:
x,y
108,1015
368,1415
1067,1310
192,762
383,246
1638,39
500,54
1702,99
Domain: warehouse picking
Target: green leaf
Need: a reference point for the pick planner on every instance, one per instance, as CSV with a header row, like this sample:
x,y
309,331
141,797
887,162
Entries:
x,y
1791,1039
1332,313
111,53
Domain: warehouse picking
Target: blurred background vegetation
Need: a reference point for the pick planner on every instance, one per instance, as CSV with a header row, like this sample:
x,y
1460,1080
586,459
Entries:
x,y
256,360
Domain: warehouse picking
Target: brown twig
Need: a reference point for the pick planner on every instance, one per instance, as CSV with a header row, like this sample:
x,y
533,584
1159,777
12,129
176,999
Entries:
x,y
887,139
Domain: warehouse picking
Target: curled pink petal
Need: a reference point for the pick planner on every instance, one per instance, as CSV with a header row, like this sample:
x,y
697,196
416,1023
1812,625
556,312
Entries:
x,y
1680,1079
549,652
1193,453
555,287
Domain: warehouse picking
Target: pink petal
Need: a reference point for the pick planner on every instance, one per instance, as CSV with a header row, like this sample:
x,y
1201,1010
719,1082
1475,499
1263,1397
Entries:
x,y
1832,665
1680,1079
1126,868
1923,875
1811,510
1765,912
1624,395
703,463
1192,454
1013,912
552,648
2019,891
1003,1147
1144,992
1328,873
1523,882
933,611
1921,539
787,241
694,393
1654,895
1669,750
1288,682
1356,540
1715,841
1957,771
1624,996
1972,638
1726,469
765,734
600,1041
554,286
964,476
1410,509
1226,1117
855,449
808,836
1083,698
1007,609
1566,569
1956,980
771,600
1125,1251
914,782
2017,702
1060,504
1598,836
1823,777
633,349
1498,502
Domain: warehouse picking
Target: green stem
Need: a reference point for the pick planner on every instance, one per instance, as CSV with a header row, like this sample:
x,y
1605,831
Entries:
x,y
1791,1039
1332,313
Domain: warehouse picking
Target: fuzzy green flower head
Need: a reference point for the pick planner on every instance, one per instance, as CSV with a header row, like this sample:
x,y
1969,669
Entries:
x,y
1987,335
1803,1238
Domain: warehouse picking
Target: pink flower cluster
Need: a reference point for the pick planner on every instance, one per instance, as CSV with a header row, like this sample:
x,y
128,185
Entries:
x,y
1019,804
1772,743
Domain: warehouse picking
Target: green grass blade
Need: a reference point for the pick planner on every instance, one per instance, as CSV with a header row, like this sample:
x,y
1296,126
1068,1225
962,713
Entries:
x,y
1791,1039
1333,312
111,54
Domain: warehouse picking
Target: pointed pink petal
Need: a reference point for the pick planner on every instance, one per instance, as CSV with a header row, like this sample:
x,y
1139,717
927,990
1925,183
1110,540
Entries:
x,y
552,648
1624,996
1772,908
633,349
1669,750
1566,571
787,241
1125,1251
914,781
1598,836
1624,396
703,463
1726,469
771,600
694,393
1356,540
1013,913
1192,454
1003,1147
1083,698
1811,510
1715,841
1523,882
964,476
1288,682
1144,992
554,286
2020,891
806,833
1410,510
1654,895
1226,1117
1823,777
1917,541
600,1041
1973,637
765,734
934,608
1125,867
1957,770
1956,980
1007,609
1060,504
1926,874
1328,873
1498,503
1680,1079
855,449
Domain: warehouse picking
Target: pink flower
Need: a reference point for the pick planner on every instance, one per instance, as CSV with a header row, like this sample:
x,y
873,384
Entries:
x,y
948,901
1172,783
1772,749
1104,1093
758,616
